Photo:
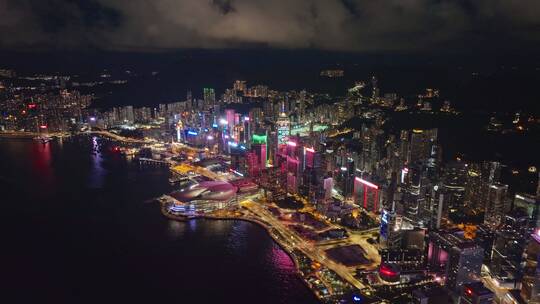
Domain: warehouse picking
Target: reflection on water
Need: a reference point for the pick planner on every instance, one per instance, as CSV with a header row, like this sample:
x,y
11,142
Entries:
x,y
280,258
41,165
96,178
176,229
80,232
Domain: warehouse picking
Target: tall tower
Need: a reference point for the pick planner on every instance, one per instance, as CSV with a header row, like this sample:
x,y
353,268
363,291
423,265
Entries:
x,y
530,286
283,128
421,144
209,96
496,204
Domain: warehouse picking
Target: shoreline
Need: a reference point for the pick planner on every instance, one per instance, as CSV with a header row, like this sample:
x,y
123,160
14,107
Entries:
x,y
20,135
253,221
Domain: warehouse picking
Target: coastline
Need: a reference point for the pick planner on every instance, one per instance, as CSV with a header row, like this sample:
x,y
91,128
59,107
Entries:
x,y
250,220
18,135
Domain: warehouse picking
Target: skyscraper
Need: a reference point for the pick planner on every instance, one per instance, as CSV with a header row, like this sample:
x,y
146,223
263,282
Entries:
x,y
529,205
459,260
259,147
507,255
530,286
496,205
209,96
366,194
283,128
230,116
421,144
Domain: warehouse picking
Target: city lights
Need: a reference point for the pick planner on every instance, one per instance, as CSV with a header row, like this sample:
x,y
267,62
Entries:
x,y
362,189
291,143
365,182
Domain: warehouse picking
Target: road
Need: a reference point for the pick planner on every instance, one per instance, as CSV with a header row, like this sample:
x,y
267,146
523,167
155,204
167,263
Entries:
x,y
120,138
492,285
309,248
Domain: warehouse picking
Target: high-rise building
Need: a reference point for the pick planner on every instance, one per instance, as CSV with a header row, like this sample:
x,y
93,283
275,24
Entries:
x,y
421,145
508,248
259,147
292,166
230,116
258,156
479,181
529,205
459,260
530,285
496,205
328,186
434,208
390,232
209,96
366,194
374,87
454,181
283,128
485,237
473,189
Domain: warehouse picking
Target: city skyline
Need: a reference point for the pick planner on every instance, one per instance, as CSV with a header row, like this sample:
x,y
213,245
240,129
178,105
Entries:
x,y
252,151
359,190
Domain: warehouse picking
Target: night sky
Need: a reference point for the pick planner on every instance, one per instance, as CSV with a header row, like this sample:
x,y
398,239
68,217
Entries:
x,y
478,26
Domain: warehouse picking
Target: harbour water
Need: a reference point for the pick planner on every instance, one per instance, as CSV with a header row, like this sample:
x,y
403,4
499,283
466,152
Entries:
x,y
78,227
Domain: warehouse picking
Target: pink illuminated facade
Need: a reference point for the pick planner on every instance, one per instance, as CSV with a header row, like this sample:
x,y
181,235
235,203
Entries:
x,y
369,192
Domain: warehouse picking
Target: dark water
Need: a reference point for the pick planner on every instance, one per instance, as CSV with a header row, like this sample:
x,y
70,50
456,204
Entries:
x,y
76,228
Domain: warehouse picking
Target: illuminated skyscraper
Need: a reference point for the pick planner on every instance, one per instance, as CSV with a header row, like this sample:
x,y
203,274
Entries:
x,y
374,87
529,205
496,205
457,259
209,96
283,128
454,181
230,116
259,145
421,145
508,248
530,286
473,188
366,194
328,186
390,233
293,166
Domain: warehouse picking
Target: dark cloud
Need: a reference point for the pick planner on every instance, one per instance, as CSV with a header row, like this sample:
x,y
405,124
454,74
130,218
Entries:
x,y
347,25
